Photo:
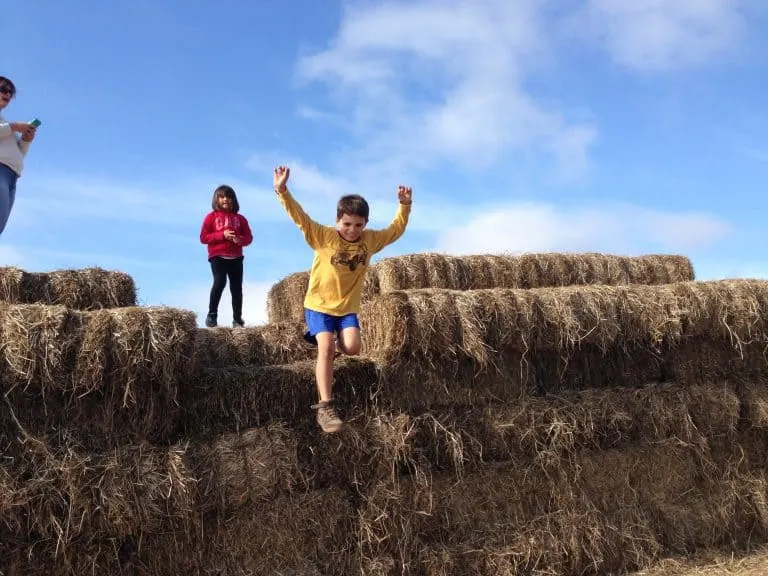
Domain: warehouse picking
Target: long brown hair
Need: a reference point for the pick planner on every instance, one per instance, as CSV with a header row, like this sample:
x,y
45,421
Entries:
x,y
225,191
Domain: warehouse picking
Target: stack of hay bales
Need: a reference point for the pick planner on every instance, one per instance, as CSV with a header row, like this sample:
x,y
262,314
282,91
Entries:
x,y
542,414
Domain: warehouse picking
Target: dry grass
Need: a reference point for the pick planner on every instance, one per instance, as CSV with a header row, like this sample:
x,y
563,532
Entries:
x,y
551,429
499,332
603,512
588,482
266,345
80,289
231,399
536,270
251,466
54,348
712,563
107,376
300,534
62,492
285,299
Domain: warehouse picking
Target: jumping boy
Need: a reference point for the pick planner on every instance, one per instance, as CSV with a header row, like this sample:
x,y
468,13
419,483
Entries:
x,y
12,151
332,302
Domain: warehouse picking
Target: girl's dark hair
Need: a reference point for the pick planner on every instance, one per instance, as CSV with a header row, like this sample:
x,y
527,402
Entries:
x,y
225,191
5,80
352,205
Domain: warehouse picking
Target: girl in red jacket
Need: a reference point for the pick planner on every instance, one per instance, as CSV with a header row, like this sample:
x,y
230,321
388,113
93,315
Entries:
x,y
225,231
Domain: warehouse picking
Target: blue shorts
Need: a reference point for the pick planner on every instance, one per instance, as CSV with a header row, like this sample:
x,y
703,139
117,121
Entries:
x,y
318,322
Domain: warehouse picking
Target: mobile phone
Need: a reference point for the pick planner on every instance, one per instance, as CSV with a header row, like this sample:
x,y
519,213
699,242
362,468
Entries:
x,y
36,122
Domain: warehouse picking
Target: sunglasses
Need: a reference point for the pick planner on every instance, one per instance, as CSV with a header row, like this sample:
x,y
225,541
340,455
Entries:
x,y
5,89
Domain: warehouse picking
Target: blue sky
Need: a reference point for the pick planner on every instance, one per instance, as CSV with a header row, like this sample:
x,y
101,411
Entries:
x,y
532,125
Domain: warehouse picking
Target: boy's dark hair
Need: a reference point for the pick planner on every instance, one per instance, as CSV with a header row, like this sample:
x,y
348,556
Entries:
x,y
352,205
11,85
225,191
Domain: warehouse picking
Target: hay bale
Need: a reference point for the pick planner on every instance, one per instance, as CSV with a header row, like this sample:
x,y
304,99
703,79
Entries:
x,y
55,348
31,556
61,492
535,270
236,398
144,488
265,345
285,300
300,534
602,512
79,289
713,563
420,334
549,429
247,467
106,376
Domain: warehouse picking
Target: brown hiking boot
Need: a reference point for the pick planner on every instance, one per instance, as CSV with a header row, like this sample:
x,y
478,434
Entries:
x,y
327,417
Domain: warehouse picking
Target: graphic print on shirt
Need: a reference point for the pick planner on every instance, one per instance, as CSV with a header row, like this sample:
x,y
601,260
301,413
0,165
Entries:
x,y
351,257
226,222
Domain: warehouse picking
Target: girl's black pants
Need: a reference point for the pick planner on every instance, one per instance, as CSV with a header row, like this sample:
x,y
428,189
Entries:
x,y
223,268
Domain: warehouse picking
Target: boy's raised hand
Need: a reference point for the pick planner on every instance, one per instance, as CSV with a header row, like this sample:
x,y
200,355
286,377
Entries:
x,y
281,177
404,194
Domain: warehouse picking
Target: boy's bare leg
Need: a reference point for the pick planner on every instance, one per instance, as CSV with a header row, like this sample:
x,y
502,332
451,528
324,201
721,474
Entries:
x,y
326,415
350,341
324,368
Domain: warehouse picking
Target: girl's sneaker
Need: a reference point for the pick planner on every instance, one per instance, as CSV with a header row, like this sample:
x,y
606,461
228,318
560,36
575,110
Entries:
x,y
238,324
210,320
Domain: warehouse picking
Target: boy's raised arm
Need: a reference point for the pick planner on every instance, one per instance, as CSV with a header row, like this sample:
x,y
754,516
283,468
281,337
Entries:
x,y
315,234
382,238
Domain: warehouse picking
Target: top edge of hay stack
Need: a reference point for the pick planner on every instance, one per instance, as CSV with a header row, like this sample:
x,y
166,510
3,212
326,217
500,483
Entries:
x,y
482,271
77,289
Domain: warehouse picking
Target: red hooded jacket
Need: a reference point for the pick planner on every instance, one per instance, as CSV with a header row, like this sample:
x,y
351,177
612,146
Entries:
x,y
212,234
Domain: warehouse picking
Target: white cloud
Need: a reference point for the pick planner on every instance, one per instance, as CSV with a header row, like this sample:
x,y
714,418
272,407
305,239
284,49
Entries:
x,y
658,35
309,178
535,227
444,80
195,298
95,200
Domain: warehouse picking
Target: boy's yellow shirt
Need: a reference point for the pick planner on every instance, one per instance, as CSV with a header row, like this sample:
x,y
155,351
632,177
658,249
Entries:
x,y
338,269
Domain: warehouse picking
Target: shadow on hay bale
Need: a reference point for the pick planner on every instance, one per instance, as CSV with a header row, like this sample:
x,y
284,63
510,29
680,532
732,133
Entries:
x,y
105,377
229,399
600,512
285,300
61,493
295,534
267,345
79,289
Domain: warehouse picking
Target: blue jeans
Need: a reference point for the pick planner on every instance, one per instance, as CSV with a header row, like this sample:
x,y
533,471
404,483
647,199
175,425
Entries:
x,y
7,194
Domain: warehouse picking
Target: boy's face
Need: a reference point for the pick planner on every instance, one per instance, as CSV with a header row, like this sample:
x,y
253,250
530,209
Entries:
x,y
6,93
351,227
